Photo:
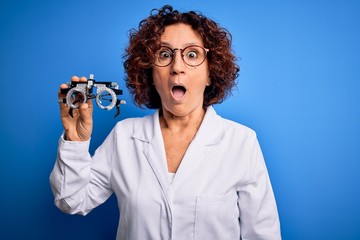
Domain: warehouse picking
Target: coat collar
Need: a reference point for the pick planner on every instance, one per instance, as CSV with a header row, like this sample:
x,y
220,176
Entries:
x,y
210,132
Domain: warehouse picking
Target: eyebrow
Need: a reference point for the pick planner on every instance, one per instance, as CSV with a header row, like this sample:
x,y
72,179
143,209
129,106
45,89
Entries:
x,y
166,44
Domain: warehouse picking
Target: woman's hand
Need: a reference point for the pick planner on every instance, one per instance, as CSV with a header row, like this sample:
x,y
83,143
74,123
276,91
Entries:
x,y
79,127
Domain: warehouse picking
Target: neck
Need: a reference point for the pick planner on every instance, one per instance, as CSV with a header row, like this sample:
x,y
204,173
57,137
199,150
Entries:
x,y
175,123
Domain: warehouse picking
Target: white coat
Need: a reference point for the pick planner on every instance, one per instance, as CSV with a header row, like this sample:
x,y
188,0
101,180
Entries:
x,y
221,189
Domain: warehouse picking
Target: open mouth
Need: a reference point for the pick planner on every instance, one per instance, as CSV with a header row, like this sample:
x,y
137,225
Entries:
x,y
178,91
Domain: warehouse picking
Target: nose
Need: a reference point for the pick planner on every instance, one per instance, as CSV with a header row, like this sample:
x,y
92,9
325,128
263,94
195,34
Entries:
x,y
178,65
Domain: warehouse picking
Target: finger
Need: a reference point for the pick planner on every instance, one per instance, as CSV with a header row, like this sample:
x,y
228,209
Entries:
x,y
75,79
62,103
65,86
89,102
83,79
64,107
62,95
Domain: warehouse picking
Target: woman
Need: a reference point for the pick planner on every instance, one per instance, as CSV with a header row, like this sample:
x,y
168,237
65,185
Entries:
x,y
183,172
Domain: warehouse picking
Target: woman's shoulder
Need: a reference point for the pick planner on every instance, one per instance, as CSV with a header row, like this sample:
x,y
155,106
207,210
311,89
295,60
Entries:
x,y
126,122
230,125
221,125
239,130
236,126
132,124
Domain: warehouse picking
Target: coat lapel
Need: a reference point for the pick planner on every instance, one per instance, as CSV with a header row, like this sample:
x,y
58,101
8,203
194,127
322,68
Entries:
x,y
209,135
148,131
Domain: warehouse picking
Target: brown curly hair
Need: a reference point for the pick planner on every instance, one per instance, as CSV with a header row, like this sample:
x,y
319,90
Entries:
x,y
145,41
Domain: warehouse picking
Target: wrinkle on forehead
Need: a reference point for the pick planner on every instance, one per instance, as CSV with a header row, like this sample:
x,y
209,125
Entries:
x,y
180,35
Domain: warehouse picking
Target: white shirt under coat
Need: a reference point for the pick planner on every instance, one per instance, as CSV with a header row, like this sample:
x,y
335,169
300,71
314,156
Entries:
x,y
221,189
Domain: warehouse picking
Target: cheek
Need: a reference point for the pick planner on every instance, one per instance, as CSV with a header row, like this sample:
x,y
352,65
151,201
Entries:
x,y
204,80
157,81
159,74
155,75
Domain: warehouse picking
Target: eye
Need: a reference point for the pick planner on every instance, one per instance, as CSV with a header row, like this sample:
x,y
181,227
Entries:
x,y
193,54
164,53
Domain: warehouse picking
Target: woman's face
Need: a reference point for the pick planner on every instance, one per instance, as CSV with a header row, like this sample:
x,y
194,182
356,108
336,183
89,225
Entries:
x,y
181,87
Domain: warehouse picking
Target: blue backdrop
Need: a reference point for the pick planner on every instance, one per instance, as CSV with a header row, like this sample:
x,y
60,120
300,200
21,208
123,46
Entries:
x,y
298,88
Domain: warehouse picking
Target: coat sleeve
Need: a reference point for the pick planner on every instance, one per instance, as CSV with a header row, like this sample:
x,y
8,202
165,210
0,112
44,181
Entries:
x,y
78,181
259,218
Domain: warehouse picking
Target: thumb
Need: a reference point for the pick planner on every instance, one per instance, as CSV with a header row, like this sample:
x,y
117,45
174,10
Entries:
x,y
86,112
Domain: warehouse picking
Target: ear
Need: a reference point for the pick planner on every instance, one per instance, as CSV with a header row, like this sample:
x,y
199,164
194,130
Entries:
x,y
208,83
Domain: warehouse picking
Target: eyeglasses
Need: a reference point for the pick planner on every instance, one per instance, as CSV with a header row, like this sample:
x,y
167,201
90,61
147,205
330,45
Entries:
x,y
191,55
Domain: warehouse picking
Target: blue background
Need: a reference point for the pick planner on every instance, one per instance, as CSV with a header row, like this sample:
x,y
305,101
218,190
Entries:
x,y
298,88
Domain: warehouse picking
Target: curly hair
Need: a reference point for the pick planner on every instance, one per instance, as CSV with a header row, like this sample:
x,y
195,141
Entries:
x,y
145,41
